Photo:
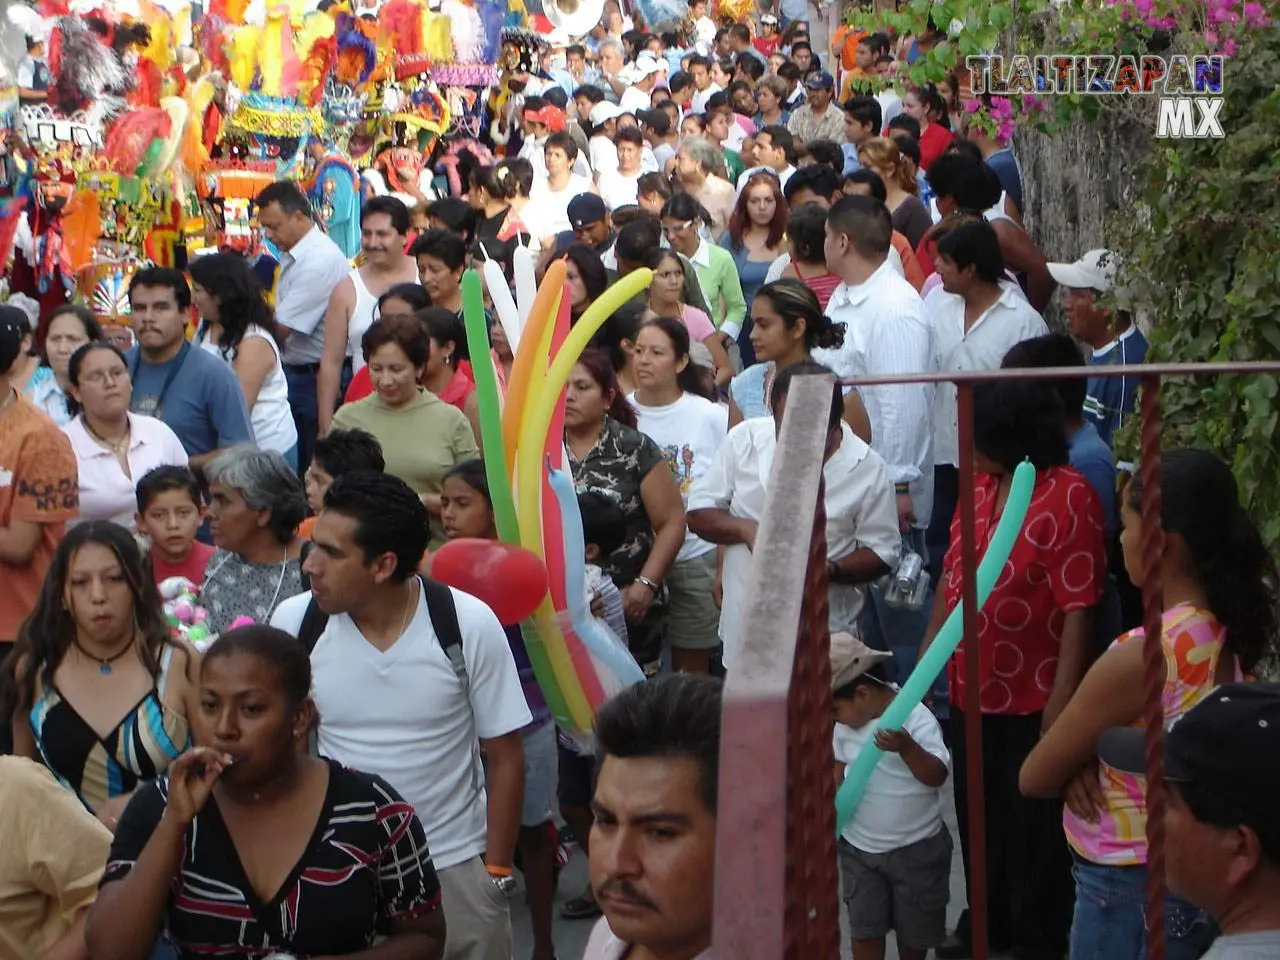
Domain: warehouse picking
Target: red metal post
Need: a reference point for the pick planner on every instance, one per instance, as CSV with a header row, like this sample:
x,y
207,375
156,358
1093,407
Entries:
x,y
1153,665
813,901
972,678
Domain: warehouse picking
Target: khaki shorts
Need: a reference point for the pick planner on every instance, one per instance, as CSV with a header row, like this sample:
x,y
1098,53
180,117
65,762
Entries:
x,y
694,620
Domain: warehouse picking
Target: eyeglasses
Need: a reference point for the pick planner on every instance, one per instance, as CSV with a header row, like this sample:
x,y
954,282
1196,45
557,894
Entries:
x,y
100,377
676,228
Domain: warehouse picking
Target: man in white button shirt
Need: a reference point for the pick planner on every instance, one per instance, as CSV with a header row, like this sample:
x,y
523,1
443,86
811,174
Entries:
x,y
886,333
726,505
978,315
311,265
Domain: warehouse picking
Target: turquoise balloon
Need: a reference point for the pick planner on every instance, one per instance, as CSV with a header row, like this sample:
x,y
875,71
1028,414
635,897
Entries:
x,y
944,645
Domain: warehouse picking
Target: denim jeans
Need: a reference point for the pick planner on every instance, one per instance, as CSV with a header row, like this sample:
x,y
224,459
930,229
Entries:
x,y
1110,922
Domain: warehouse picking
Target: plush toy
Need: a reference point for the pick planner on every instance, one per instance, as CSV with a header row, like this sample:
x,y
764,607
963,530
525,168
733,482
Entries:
x,y
182,609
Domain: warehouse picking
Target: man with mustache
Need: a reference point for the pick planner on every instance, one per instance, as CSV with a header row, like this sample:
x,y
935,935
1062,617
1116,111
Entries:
x,y
652,857
193,391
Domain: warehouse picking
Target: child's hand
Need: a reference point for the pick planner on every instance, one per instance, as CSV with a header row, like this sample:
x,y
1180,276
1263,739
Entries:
x,y
894,741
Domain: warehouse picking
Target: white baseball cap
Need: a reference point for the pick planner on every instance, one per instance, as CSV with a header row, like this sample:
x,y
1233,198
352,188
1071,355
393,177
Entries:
x,y
603,112
1096,270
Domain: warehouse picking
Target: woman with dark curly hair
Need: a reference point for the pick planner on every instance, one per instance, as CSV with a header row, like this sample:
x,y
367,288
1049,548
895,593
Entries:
x,y
1034,636
787,324
238,326
99,690
1218,586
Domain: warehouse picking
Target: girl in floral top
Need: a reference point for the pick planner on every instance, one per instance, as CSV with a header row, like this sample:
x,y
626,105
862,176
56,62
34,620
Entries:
x,y
1218,587
608,455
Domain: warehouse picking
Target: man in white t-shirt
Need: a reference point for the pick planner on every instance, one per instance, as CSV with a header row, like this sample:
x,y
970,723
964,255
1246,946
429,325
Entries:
x,y
414,706
640,78
704,87
659,749
618,187
726,505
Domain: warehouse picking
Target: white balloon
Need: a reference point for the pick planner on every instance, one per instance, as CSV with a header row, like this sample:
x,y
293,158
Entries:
x,y
503,304
526,285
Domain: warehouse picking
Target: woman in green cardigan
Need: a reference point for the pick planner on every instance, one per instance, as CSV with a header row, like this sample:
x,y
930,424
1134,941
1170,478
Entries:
x,y
682,216
422,437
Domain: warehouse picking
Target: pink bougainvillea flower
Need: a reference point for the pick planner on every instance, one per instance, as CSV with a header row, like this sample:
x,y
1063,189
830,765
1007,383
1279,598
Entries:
x,y
1229,47
1255,15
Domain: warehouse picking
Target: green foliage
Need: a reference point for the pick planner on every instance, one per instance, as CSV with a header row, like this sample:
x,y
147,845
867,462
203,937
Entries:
x,y
980,23
1206,253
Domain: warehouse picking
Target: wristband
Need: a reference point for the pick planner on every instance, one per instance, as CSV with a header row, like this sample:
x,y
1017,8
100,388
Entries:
x,y
653,587
902,488
497,871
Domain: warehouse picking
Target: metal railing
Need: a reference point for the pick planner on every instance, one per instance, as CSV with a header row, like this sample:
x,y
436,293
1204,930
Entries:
x,y
780,837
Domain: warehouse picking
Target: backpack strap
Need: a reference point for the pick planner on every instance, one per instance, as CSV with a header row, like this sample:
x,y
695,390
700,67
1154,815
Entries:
x,y
444,621
313,623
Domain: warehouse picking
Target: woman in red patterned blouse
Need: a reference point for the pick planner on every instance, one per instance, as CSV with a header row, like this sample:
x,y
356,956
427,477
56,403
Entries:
x,y
1033,638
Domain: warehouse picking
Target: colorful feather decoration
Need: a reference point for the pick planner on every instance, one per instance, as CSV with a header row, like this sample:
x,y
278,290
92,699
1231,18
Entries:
x,y
131,137
401,20
357,52
89,69
81,226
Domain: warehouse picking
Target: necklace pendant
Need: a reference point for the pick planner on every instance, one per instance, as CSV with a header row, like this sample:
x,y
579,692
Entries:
x,y
105,669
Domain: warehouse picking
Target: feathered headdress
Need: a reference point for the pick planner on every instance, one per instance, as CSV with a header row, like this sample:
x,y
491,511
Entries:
x,y
401,22
88,70
357,49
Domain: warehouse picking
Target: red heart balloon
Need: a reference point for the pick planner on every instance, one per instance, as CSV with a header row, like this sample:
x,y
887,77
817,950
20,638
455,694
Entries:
x,y
511,580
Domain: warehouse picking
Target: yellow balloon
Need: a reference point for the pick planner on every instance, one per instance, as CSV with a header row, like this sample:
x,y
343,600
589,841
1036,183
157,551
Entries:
x,y
539,409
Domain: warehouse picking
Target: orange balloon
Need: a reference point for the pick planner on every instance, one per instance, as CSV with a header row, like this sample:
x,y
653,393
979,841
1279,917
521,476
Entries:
x,y
523,369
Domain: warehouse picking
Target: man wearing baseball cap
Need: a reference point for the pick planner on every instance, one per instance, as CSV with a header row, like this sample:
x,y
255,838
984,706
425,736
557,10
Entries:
x,y
817,119
1222,815
39,493
641,76
1109,332
589,223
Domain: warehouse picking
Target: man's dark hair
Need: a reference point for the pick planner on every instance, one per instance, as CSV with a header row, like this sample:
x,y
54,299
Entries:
x,y
575,49
697,60
1052,350
789,71
456,214
906,124
826,152
780,136
782,386
974,245
389,517
286,195
880,44
590,91
1016,420
740,32
393,207
636,239
629,135
752,66
817,178
676,717
446,246
652,183
680,80
657,120
801,43
866,222
340,452
966,147
873,180
972,184
556,97
604,525
162,277
162,479
564,142
718,101
865,110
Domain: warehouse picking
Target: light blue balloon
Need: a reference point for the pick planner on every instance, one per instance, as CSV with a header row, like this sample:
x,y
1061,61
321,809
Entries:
x,y
599,639
944,645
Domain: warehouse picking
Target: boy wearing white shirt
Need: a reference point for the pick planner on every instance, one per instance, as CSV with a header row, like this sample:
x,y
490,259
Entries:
x,y
895,851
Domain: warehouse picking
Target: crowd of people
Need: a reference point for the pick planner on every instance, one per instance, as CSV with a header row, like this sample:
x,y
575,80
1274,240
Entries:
x,y
366,766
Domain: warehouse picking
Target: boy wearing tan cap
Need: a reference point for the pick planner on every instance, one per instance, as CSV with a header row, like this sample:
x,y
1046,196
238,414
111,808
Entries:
x,y
895,851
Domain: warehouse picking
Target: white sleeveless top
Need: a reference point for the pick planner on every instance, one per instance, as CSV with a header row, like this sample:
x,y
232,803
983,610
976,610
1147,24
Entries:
x,y
273,427
362,317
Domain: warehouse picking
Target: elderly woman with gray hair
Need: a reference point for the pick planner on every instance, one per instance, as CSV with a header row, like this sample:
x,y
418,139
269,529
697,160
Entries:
x,y
256,503
700,167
